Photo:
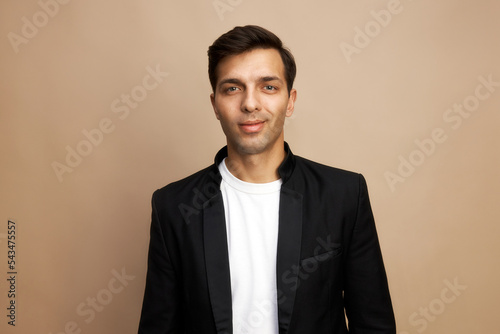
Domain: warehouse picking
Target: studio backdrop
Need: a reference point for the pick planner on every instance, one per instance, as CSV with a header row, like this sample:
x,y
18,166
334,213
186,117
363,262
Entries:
x,y
103,102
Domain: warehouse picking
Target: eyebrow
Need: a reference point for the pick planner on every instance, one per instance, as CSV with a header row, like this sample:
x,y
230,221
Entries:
x,y
270,78
229,80
239,82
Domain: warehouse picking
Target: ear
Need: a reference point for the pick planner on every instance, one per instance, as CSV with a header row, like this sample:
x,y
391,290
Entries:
x,y
212,100
291,102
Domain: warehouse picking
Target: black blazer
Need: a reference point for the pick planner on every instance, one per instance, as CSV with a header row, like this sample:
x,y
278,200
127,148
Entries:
x,y
328,256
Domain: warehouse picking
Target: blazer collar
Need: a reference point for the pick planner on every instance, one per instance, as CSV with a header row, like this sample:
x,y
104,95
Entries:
x,y
288,252
217,263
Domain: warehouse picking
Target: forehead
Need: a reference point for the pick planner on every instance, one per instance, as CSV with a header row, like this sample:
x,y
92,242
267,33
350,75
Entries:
x,y
252,64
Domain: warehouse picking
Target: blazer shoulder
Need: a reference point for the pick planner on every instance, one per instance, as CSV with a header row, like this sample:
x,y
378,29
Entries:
x,y
326,174
183,189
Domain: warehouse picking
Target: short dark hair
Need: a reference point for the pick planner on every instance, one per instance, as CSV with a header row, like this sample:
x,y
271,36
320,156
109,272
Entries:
x,y
247,38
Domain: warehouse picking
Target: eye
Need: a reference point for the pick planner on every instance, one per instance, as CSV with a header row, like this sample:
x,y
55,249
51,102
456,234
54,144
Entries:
x,y
269,87
231,89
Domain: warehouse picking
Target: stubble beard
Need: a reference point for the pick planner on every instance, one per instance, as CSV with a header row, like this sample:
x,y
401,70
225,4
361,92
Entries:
x,y
262,141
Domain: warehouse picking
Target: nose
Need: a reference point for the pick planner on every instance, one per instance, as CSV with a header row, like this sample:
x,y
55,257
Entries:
x,y
250,102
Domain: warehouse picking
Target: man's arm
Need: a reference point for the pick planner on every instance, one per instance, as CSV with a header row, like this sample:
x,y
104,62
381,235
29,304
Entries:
x,y
161,309
366,294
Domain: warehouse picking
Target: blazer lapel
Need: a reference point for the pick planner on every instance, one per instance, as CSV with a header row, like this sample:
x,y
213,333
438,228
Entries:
x,y
288,256
217,263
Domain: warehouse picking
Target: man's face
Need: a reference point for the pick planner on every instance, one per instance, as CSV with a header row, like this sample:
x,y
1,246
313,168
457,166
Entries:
x,y
251,100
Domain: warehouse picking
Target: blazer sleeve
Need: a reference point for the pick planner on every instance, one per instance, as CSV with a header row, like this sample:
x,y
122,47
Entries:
x,y
161,309
366,294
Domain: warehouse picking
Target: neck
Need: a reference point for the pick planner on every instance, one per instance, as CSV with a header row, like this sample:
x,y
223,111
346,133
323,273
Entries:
x,y
256,168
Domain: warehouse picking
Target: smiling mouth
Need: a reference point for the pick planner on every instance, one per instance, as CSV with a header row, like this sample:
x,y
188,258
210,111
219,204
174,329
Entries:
x,y
252,126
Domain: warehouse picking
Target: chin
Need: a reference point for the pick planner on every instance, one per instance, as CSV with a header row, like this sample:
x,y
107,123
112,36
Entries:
x,y
254,145
251,147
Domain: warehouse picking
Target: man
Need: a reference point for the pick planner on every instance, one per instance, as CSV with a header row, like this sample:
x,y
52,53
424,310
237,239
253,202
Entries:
x,y
263,241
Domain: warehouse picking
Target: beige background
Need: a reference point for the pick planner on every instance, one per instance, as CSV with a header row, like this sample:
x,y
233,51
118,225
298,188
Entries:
x,y
360,112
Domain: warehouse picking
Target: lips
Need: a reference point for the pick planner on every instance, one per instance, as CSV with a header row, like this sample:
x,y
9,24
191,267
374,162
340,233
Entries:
x,y
252,126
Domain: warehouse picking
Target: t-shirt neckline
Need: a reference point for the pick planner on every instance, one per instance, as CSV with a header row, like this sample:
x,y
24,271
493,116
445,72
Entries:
x,y
247,187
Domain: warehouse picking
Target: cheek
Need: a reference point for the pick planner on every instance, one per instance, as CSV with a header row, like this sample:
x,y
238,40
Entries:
x,y
280,109
227,122
226,107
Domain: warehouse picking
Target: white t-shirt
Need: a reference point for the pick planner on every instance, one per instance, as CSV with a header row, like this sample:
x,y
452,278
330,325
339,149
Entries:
x,y
252,212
